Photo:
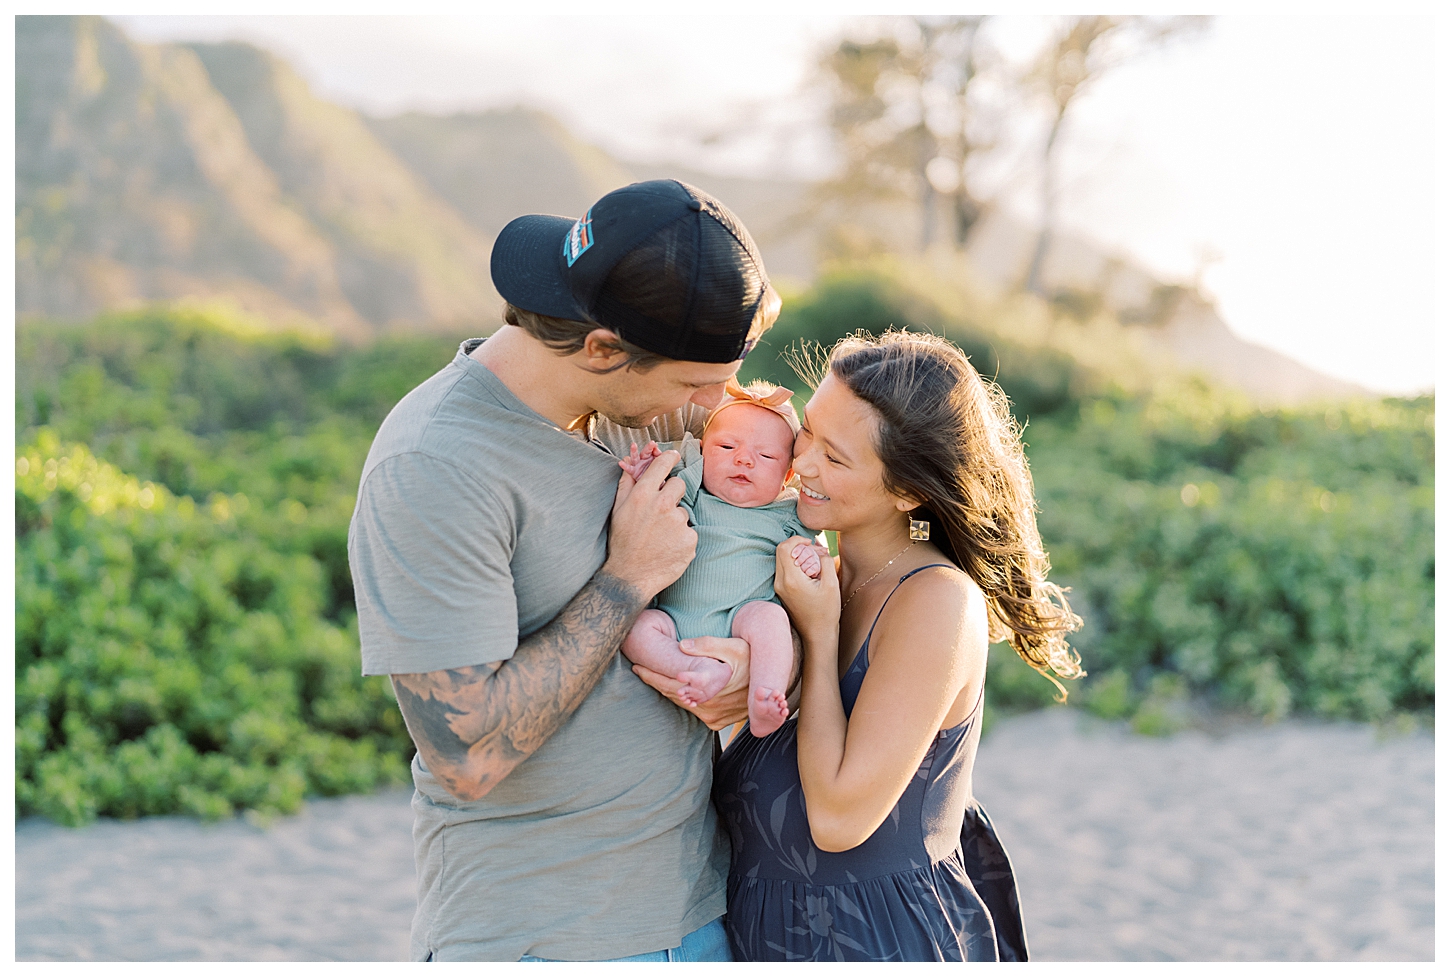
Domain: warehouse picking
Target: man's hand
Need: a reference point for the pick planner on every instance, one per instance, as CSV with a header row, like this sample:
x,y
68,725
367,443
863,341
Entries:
x,y
650,539
724,708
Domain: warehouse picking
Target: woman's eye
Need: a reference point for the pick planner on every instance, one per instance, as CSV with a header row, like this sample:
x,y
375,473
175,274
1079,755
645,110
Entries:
x,y
831,460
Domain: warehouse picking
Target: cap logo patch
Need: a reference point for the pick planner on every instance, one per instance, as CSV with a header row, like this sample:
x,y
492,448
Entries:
x,y
579,239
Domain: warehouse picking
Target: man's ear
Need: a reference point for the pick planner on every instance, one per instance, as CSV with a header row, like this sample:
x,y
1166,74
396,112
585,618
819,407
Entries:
x,y
601,351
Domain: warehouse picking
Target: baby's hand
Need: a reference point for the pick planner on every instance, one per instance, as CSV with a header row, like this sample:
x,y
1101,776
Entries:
x,y
808,560
639,460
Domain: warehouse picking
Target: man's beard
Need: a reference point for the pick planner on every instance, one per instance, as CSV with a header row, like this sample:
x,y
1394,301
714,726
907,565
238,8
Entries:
x,y
635,421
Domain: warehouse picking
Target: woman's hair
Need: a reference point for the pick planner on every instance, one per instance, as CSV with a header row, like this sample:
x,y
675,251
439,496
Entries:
x,y
947,438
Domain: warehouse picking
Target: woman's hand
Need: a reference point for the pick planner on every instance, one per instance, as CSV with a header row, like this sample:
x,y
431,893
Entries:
x,y
724,708
814,603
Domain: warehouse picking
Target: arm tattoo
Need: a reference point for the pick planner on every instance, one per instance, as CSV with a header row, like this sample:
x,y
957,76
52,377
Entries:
x,y
474,725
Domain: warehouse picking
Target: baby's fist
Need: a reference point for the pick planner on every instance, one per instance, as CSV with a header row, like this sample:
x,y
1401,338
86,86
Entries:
x,y
639,460
808,560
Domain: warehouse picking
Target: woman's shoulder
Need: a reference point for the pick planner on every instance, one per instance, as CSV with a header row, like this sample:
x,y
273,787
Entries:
x,y
933,631
935,599
942,579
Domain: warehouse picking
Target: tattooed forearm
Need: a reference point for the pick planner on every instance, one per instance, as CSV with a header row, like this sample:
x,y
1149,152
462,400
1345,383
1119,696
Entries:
x,y
426,703
474,725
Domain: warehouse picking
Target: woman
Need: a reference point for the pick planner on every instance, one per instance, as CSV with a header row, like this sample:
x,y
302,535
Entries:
x,y
855,835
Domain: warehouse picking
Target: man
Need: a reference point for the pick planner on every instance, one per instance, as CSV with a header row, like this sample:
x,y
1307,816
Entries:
x,y
499,557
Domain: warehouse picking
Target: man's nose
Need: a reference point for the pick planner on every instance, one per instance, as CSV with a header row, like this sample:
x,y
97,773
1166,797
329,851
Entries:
x,y
709,396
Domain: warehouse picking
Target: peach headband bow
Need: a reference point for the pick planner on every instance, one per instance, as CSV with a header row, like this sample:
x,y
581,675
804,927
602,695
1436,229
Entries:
x,y
761,394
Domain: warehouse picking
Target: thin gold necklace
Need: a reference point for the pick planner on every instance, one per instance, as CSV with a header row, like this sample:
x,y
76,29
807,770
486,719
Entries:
x,y
875,575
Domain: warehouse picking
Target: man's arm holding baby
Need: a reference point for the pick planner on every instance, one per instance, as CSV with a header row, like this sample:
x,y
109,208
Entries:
x,y
474,725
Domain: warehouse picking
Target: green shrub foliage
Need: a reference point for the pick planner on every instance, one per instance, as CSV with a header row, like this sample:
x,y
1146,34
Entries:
x,y
185,634
185,629
1281,561
1272,560
175,656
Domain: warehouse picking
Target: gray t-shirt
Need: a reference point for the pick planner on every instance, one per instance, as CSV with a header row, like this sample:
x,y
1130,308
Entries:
x,y
477,520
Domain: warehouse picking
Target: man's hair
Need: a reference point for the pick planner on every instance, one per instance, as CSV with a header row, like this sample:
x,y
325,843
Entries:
x,y
566,336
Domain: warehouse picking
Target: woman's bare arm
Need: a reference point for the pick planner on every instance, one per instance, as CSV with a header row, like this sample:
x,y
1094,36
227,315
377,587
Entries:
x,y
928,647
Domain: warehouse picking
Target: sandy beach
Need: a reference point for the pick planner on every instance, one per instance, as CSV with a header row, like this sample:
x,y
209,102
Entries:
x,y
1299,841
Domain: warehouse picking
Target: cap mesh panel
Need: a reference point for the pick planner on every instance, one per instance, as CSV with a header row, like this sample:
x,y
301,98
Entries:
x,y
688,291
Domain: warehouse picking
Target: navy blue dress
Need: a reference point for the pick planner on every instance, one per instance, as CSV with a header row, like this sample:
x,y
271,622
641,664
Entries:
x,y
932,883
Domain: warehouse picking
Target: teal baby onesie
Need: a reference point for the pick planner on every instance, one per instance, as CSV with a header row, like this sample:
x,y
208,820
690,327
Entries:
x,y
734,559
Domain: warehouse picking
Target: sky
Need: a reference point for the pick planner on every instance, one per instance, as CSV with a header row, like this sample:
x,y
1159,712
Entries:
x,y
1284,162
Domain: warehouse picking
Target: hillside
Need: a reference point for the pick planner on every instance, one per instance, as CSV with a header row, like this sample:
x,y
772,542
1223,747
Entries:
x,y
162,172
493,166
1164,319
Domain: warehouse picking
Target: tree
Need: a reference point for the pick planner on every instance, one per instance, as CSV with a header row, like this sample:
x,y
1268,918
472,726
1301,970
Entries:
x,y
903,114
1079,53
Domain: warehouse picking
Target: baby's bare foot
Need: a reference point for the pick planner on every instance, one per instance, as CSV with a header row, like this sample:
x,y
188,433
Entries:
x,y
768,709
703,679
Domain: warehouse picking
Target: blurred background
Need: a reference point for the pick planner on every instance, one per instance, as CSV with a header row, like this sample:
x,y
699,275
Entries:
x,y
1195,253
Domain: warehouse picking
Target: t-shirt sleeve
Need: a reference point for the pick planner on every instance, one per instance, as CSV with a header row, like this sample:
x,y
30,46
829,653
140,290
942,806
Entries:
x,y
793,528
790,524
691,469
430,549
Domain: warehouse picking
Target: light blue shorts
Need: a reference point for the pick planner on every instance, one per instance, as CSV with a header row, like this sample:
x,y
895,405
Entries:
x,y
708,944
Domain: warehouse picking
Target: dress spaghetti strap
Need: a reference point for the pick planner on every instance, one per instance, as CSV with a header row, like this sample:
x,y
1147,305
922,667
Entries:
x,y
905,577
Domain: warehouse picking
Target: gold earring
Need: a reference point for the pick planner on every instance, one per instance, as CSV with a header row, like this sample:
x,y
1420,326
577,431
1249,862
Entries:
x,y
920,530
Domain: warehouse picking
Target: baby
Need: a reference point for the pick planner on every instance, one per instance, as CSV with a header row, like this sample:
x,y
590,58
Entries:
x,y
736,496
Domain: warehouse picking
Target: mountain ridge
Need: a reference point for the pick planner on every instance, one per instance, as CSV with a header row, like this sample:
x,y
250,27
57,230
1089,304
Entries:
x,y
166,172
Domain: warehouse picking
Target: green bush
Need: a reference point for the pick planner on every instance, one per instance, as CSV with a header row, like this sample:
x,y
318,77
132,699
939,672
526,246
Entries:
x,y
177,657
1280,561
185,631
1274,560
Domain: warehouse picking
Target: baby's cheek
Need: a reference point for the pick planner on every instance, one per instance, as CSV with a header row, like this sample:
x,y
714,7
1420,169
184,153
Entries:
x,y
711,477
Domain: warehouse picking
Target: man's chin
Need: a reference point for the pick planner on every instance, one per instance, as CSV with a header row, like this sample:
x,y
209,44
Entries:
x,y
635,421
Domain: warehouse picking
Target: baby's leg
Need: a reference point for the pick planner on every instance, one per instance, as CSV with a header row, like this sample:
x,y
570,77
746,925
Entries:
x,y
654,643
765,625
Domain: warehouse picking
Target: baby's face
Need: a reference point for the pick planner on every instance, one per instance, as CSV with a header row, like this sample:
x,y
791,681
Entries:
x,y
747,455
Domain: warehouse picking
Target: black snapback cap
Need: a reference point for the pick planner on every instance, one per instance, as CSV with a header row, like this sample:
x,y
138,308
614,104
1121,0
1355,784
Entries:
x,y
662,263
